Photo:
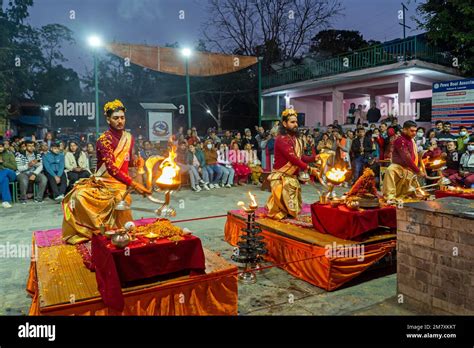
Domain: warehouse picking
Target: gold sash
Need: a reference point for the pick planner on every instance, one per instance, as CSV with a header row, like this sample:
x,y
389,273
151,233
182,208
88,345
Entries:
x,y
120,154
415,150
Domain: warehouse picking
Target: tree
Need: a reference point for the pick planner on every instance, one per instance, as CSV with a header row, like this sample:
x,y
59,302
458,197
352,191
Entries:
x,y
450,27
216,96
30,59
333,42
19,53
283,27
52,37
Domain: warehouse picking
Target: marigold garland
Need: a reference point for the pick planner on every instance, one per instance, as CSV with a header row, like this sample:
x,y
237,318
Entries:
x,y
289,112
113,105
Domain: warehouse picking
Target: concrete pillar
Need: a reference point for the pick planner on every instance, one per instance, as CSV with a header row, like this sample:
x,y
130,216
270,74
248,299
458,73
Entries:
x,y
337,106
372,99
405,111
323,123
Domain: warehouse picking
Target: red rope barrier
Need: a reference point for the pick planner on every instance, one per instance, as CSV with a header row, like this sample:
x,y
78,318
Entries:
x,y
201,218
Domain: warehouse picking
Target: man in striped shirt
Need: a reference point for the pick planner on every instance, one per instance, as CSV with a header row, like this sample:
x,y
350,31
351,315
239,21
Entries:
x,y
30,169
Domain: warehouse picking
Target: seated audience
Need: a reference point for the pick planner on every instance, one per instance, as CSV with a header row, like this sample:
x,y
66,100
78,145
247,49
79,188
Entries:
x,y
76,163
92,156
228,171
53,163
181,161
29,171
465,176
254,164
238,161
452,159
195,158
7,175
462,139
213,168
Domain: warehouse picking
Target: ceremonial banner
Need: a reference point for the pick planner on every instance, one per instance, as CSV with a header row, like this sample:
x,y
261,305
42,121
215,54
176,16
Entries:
x,y
453,101
160,125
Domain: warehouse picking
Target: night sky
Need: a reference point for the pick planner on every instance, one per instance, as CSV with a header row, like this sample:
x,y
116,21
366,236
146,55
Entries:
x,y
156,22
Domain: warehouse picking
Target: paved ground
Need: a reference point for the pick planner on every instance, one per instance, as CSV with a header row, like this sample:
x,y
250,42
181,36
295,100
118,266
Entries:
x,y
275,293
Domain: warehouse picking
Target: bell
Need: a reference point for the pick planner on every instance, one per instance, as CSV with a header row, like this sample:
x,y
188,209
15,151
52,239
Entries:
x,y
304,176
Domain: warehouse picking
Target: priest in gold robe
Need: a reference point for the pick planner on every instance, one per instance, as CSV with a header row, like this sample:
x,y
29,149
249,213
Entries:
x,y
285,200
91,203
400,176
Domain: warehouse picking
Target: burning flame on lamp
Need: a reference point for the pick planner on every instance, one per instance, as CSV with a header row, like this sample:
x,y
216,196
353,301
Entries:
x,y
167,181
336,175
169,171
253,205
169,176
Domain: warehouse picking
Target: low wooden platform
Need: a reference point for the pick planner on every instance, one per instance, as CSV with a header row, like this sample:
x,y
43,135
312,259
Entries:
x,y
304,252
61,285
310,235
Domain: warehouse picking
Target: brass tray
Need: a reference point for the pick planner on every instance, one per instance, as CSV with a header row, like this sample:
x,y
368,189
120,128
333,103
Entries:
x,y
368,203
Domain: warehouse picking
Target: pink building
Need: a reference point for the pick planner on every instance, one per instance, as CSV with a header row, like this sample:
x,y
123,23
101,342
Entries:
x,y
397,75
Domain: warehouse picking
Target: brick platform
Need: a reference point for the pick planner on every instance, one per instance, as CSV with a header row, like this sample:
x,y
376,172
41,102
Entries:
x,y
435,252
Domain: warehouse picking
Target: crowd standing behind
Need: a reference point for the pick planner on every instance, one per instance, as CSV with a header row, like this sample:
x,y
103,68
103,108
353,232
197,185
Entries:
x,y
212,162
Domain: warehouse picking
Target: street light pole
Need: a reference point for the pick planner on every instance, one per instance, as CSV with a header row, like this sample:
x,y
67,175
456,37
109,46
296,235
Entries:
x,y
188,92
96,95
259,92
95,42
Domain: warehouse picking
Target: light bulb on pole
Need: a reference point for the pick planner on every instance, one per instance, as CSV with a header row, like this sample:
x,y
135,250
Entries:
x,y
95,42
186,52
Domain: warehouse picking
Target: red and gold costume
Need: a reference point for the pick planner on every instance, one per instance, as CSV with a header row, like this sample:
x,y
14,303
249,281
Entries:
x,y
286,190
91,202
404,167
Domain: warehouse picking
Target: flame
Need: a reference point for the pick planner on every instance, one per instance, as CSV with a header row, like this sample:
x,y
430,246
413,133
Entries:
x,y
436,162
422,192
253,201
149,165
169,170
336,175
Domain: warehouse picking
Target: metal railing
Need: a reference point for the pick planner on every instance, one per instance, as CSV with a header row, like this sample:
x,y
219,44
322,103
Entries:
x,y
411,48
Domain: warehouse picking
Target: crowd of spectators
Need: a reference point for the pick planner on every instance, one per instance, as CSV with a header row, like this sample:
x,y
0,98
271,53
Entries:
x,y
213,161
42,167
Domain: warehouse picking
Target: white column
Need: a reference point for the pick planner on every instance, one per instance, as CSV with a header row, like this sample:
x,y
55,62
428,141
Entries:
x,y
337,106
404,107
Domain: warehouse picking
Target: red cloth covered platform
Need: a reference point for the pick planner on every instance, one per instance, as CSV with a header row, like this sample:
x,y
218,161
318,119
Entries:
x,y
350,224
441,194
296,247
61,283
141,260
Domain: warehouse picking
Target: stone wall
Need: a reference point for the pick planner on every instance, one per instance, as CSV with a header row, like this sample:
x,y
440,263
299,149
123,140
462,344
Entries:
x,y
435,253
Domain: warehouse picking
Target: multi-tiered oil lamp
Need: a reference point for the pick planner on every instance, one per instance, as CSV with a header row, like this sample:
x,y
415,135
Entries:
x,y
251,245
